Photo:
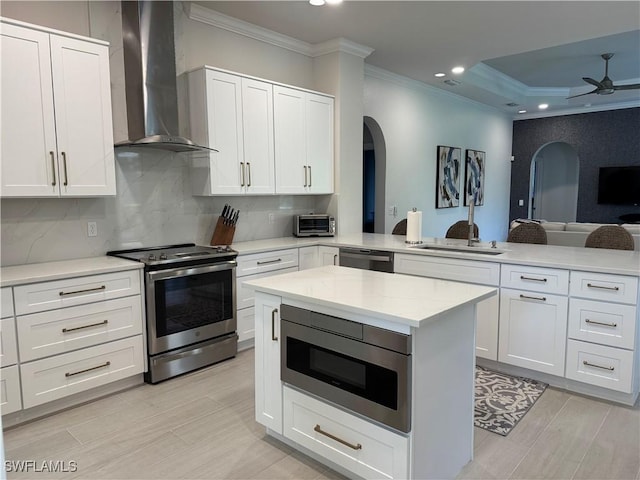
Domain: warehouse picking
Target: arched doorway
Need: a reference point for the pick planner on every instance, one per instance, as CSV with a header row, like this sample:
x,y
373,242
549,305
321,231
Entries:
x,y
374,169
553,187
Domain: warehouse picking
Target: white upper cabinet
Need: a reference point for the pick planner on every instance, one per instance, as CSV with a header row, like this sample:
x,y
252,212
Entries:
x,y
57,137
233,115
303,141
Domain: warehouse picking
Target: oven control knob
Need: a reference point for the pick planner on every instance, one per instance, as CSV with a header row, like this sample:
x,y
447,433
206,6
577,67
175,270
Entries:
x,y
163,256
151,257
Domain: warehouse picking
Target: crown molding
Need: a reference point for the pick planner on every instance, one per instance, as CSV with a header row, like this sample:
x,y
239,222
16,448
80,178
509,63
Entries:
x,y
483,76
231,24
578,110
216,19
341,45
406,82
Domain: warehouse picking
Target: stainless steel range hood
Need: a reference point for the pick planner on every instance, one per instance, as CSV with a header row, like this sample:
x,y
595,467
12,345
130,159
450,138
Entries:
x,y
150,78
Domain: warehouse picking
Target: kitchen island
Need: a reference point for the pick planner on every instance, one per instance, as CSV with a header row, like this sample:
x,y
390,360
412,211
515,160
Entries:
x,y
438,318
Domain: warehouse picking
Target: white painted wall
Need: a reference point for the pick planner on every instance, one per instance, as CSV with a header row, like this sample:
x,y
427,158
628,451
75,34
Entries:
x,y
415,119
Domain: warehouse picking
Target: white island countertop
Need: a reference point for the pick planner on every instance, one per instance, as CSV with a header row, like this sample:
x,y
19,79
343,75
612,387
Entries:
x,y
402,299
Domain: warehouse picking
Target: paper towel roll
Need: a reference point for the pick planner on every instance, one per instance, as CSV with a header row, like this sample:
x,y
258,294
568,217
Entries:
x,y
414,227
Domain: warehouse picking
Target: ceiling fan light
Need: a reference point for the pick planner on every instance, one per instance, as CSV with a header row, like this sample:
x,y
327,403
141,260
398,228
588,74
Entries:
x,y
605,91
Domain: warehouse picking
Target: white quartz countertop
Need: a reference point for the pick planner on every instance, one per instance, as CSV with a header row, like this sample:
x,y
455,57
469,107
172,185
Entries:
x,y
574,258
402,299
42,272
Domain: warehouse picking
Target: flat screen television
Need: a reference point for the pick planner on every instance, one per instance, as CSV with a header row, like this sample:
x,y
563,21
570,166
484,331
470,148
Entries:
x,y
619,185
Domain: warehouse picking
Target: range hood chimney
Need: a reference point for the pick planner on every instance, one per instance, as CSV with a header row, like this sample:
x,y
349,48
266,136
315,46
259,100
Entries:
x,y
150,78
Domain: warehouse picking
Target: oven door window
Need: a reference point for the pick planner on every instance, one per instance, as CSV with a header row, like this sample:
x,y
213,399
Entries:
x,y
364,379
314,225
192,301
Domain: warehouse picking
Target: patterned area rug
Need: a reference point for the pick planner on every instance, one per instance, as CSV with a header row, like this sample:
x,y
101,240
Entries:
x,y
502,400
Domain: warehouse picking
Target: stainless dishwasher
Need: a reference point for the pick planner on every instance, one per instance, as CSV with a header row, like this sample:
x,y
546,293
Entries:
x,y
379,260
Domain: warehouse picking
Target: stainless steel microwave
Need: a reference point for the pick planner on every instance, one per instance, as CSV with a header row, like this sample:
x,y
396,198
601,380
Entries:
x,y
314,225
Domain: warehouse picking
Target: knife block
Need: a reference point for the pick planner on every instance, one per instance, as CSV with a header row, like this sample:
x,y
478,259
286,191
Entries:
x,y
222,234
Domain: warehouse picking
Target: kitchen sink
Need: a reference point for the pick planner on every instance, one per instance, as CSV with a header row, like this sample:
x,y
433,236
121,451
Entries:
x,y
482,250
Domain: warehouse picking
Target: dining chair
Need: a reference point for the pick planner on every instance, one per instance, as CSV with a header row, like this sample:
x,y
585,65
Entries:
x,y
610,236
460,230
528,233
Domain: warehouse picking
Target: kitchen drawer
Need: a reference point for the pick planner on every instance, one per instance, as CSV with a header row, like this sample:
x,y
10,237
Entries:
x,y
470,271
606,367
245,296
266,262
57,377
6,302
369,451
535,279
38,297
246,328
602,286
8,345
600,322
59,331
10,400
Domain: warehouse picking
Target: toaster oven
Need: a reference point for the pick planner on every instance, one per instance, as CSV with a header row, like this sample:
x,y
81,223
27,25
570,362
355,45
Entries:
x,y
314,225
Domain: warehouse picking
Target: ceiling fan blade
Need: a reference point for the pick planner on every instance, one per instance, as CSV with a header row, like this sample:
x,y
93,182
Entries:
x,y
633,86
582,94
593,82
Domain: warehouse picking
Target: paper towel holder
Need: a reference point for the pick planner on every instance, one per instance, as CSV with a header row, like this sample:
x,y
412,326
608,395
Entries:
x,y
412,242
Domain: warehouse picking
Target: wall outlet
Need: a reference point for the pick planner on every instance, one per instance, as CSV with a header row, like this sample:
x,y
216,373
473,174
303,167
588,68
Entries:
x,y
92,229
272,218
521,203
393,211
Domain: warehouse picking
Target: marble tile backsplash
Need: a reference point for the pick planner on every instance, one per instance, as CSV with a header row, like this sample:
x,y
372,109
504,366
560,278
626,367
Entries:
x,y
154,206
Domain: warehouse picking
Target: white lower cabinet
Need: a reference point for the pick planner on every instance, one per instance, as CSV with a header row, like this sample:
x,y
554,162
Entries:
x,y
355,444
10,399
533,330
8,346
317,256
56,377
469,271
268,386
328,255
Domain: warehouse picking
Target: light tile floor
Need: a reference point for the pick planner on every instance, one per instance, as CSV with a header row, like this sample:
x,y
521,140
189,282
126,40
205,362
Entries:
x,y
201,425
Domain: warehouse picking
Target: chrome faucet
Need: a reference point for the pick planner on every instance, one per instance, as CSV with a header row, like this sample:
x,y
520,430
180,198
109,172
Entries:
x,y
471,238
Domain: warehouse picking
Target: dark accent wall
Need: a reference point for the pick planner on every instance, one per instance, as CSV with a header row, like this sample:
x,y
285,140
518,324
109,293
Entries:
x,y
610,138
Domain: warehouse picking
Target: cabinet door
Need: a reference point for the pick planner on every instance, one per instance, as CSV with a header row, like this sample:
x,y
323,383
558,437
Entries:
x,y
533,330
82,95
257,121
487,328
267,362
308,257
290,140
246,324
224,123
28,148
319,126
328,255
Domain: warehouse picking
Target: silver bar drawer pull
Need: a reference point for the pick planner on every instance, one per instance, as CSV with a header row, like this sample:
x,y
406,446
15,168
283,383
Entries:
x,y
522,277
544,299
64,163
273,325
105,364
611,369
591,285
53,169
242,172
67,330
269,261
601,323
102,287
318,429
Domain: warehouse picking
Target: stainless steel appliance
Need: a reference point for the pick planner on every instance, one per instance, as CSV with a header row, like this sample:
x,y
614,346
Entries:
x,y
314,225
363,368
379,260
190,303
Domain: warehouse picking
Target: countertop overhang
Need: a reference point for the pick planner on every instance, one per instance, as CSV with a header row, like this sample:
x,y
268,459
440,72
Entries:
x,y
403,299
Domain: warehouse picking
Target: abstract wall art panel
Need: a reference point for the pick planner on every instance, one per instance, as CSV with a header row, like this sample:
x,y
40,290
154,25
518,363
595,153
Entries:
x,y
447,178
474,177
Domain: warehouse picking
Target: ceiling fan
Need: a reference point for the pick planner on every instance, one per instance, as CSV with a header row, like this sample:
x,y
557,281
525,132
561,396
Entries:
x,y
605,86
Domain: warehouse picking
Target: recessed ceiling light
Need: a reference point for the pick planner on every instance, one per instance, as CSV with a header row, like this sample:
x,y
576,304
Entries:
x,y
457,70
543,106
522,111
439,74
316,3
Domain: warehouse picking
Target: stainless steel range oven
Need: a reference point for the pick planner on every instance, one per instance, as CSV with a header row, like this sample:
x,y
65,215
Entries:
x,y
190,303
363,368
